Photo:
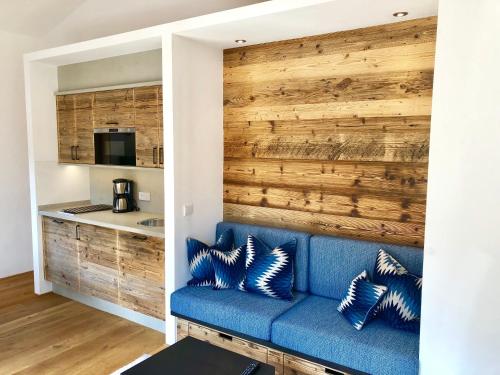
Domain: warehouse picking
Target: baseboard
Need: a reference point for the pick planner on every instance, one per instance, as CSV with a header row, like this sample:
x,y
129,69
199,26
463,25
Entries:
x,y
111,308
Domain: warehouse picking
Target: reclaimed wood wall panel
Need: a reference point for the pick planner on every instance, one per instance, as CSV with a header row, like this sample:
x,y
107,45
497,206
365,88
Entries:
x,y
330,134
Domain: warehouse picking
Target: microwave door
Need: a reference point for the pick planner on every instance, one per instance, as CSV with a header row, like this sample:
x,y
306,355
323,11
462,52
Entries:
x,y
114,147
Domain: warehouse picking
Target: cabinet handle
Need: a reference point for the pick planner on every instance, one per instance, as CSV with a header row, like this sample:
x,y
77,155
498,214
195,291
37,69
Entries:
x,y
111,122
76,153
139,237
330,371
57,221
72,152
155,149
225,336
161,155
77,232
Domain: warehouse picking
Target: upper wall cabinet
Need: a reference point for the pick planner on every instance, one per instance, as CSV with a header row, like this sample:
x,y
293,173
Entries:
x,y
149,152
140,108
114,108
75,128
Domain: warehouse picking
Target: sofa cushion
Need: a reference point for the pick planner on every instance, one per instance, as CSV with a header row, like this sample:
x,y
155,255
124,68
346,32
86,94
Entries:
x,y
361,300
229,267
334,262
200,259
315,328
270,271
400,307
275,237
246,313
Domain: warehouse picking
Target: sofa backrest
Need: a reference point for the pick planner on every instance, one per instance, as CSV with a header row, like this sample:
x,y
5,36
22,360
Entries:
x,y
275,237
334,262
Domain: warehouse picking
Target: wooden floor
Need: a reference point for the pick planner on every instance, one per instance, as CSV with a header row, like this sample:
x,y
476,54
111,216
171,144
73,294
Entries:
x,y
50,334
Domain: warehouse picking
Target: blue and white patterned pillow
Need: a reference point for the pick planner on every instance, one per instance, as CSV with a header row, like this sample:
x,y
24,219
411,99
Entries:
x,y
361,300
400,307
200,259
229,267
270,271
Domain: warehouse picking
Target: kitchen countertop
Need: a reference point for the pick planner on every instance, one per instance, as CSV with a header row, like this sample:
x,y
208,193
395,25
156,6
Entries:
x,y
123,221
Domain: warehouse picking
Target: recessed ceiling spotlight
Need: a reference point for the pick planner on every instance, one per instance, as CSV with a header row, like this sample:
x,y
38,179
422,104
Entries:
x,y
240,41
400,14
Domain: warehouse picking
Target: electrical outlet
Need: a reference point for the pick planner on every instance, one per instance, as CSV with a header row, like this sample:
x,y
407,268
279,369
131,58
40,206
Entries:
x,y
144,196
188,209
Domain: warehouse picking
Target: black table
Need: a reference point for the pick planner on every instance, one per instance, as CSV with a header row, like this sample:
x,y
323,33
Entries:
x,y
194,357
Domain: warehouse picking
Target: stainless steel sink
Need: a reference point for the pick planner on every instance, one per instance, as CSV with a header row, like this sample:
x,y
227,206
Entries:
x,y
153,222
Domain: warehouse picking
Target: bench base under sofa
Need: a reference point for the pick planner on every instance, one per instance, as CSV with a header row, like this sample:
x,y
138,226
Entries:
x,y
284,362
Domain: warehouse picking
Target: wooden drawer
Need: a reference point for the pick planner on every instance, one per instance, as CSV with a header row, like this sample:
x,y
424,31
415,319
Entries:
x,y
298,366
229,342
275,358
182,329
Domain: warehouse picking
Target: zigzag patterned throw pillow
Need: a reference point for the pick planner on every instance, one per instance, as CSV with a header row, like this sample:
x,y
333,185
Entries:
x,y
200,259
229,267
361,300
270,271
400,307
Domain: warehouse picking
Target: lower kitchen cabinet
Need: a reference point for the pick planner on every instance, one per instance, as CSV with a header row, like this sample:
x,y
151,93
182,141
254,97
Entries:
x,y
98,251
117,266
61,252
141,279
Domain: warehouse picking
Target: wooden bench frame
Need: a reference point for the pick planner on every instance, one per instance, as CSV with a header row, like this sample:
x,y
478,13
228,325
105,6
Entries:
x,y
285,362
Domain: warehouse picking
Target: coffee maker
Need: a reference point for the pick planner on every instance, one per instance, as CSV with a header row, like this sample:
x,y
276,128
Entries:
x,y
123,197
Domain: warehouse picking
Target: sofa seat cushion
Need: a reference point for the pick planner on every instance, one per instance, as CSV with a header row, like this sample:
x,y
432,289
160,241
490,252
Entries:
x,y
315,327
246,313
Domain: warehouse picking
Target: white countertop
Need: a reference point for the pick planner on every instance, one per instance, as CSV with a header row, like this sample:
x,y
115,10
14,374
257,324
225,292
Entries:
x,y
123,221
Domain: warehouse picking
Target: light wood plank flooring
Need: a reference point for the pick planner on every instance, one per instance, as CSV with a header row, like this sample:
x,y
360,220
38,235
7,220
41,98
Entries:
x,y
50,334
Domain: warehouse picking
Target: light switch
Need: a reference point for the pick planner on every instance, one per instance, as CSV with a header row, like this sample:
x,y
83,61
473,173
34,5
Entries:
x,y
144,196
188,209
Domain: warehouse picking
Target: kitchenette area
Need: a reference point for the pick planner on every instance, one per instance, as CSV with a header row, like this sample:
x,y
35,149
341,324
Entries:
x,y
99,179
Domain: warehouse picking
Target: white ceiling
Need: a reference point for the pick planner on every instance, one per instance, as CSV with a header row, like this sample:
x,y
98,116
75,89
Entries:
x,y
319,18
68,21
34,17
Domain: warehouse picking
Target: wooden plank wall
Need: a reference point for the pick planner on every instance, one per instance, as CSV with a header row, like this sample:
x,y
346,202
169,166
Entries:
x,y
330,134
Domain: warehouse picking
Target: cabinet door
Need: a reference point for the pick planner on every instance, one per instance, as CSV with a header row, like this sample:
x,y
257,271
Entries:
x,y
114,109
146,126
98,262
60,252
141,281
84,151
66,129
160,126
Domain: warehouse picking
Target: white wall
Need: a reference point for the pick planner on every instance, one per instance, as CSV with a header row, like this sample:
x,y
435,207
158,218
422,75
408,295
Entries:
x,y
194,162
118,70
461,295
15,227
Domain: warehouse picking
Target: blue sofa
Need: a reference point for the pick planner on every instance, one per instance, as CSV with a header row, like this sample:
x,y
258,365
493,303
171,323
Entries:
x,y
310,324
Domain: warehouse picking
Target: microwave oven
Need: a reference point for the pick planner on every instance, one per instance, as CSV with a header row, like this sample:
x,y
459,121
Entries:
x,y
114,146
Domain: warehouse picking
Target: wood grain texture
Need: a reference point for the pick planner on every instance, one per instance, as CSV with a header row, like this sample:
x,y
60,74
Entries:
x,y
283,363
146,126
330,134
116,266
114,108
50,334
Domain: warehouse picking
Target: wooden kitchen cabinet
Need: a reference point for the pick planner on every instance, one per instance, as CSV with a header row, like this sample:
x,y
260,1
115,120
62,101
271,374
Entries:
x,y
84,143
147,124
116,266
142,264
98,252
66,129
75,128
61,262
114,108
160,127
140,108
